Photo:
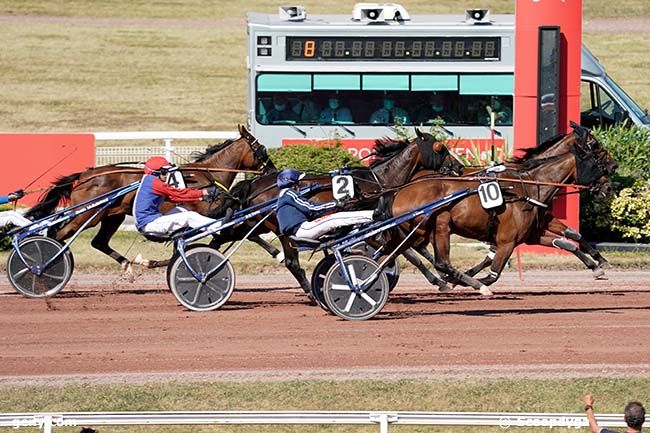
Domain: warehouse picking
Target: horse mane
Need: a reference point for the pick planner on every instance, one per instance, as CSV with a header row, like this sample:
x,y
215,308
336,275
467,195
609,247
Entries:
x,y
51,198
534,151
204,156
386,148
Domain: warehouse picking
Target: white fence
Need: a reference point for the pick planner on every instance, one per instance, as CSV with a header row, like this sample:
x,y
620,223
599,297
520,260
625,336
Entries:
x,y
165,146
48,421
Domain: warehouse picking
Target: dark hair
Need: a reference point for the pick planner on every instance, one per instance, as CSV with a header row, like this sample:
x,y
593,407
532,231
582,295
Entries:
x,y
634,415
88,430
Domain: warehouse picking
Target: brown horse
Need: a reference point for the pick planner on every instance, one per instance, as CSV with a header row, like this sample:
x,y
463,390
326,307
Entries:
x,y
218,165
512,223
399,160
551,231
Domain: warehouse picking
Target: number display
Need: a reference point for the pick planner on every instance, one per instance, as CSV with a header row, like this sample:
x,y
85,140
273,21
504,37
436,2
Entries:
x,y
490,195
342,187
389,48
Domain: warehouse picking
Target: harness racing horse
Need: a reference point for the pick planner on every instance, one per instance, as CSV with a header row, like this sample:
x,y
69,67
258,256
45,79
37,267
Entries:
x,y
513,222
551,231
400,160
218,165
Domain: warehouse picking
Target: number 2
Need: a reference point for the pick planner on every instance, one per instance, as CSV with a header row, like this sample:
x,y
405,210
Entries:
x,y
343,186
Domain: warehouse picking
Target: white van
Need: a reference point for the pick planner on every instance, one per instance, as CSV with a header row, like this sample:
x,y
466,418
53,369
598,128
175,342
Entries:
x,y
602,101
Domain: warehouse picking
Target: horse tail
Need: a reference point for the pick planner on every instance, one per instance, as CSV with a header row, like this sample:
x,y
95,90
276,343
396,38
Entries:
x,y
51,198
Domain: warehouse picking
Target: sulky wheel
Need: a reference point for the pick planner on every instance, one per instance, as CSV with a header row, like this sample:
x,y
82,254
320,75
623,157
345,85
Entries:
x,y
193,294
347,304
318,279
37,251
391,270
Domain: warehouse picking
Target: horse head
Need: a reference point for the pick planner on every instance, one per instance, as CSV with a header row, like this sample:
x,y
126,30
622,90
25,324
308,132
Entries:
x,y
257,157
436,156
594,164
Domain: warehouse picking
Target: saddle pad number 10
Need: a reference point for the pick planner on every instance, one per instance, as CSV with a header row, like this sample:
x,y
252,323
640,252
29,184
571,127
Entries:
x,y
342,187
175,179
490,195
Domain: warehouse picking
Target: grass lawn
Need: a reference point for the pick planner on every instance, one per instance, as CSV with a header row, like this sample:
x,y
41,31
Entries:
x,y
473,395
135,72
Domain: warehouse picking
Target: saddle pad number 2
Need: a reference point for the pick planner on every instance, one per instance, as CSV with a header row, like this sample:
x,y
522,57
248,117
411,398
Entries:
x,y
342,187
490,195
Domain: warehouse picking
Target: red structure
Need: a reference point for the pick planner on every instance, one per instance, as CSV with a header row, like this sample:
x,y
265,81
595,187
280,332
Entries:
x,y
530,16
38,159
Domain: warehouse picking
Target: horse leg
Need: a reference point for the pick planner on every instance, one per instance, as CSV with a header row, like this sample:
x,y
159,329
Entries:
x,y
502,253
430,276
274,252
487,261
441,247
107,229
292,262
552,240
559,228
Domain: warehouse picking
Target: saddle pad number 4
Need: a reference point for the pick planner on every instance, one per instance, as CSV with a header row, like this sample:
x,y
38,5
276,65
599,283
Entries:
x,y
342,187
490,195
175,179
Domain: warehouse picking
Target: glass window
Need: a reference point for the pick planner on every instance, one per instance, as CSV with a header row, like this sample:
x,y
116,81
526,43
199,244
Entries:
x,y
385,82
487,84
284,83
337,82
370,99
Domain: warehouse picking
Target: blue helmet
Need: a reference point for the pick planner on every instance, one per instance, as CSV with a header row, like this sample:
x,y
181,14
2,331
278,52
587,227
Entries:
x,y
288,177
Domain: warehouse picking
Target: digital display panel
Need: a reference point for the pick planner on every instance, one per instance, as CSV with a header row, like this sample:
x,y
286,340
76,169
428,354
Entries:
x,y
390,49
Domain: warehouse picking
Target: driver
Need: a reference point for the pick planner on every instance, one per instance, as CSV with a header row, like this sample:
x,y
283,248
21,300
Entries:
x,y
304,218
152,193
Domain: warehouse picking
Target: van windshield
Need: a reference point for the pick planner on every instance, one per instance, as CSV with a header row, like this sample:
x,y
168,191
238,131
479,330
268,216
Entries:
x,y
629,102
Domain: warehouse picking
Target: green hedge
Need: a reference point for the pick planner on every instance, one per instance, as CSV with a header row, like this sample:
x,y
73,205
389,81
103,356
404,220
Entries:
x,y
620,217
313,159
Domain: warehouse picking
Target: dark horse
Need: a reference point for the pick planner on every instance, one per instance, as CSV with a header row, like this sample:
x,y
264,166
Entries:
x,y
551,232
218,165
533,186
399,161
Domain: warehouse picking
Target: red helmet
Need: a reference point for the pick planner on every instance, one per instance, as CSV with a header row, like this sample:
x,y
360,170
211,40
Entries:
x,y
155,164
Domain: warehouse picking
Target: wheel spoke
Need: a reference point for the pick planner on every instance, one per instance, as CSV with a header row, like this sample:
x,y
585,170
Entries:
x,y
186,279
20,273
343,287
351,299
368,299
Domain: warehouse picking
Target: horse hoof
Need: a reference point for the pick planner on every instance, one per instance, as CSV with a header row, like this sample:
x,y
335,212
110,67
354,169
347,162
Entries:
x,y
280,257
483,290
604,264
444,287
599,274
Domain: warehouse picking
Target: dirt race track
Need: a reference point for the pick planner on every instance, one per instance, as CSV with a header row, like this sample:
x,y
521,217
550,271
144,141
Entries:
x,y
102,328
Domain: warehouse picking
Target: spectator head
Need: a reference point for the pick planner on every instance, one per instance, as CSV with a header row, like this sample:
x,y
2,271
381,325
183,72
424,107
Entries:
x,y
389,102
437,102
88,430
333,102
634,415
280,102
496,103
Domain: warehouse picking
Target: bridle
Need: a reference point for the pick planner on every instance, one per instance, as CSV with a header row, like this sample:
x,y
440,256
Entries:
x,y
259,151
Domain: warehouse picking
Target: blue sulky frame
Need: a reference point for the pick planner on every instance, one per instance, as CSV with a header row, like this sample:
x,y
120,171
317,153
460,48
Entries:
x,y
347,241
184,239
98,204
337,245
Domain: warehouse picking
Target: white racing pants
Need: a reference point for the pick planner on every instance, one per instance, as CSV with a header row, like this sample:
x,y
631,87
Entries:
x,y
13,217
176,219
318,227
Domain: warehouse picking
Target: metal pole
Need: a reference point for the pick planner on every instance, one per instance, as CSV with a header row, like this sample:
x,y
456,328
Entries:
x,y
47,424
169,149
